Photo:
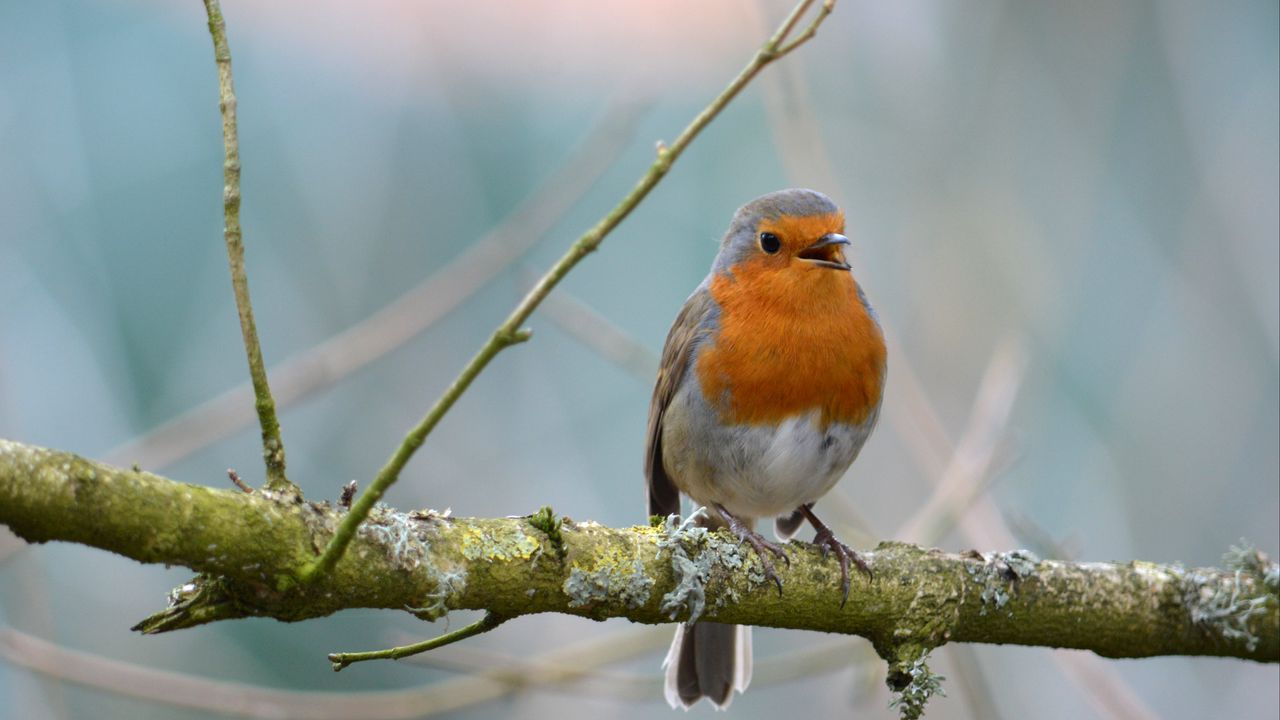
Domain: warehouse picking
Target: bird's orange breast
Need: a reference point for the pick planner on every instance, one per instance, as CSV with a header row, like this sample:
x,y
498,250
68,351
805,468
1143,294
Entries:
x,y
790,342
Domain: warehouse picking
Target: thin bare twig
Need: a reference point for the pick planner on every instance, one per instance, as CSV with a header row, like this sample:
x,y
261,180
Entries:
x,y
483,625
272,445
809,32
235,479
510,331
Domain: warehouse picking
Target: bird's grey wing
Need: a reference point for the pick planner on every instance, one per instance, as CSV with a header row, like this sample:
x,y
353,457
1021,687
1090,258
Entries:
x,y
689,326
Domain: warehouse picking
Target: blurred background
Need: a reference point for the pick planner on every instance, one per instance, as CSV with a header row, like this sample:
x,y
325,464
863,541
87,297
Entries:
x,y
1066,215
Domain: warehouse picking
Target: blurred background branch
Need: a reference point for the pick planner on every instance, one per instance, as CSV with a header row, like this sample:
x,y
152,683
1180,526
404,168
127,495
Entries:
x,y
408,315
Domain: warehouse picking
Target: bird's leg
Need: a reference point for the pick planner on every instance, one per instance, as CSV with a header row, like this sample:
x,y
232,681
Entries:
x,y
826,540
753,538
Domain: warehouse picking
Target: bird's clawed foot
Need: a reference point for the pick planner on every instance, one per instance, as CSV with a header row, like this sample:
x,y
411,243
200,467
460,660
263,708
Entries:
x,y
827,542
748,535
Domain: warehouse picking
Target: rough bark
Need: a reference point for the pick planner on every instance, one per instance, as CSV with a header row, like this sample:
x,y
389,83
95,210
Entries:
x,y
249,549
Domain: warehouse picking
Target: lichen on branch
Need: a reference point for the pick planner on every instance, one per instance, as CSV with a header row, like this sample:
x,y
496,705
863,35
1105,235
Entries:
x,y
249,548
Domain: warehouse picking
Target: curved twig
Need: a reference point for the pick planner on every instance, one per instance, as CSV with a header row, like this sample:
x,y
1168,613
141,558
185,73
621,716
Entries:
x,y
510,331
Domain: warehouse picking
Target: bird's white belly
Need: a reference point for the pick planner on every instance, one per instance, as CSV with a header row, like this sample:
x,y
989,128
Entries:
x,y
755,470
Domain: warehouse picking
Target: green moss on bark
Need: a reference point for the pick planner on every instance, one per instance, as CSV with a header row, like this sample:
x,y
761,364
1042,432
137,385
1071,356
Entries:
x,y
249,549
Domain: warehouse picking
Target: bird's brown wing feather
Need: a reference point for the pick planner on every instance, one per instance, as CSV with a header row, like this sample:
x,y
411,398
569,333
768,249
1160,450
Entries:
x,y
664,496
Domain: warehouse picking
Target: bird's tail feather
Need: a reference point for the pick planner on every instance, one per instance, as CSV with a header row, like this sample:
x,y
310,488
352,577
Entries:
x,y
709,660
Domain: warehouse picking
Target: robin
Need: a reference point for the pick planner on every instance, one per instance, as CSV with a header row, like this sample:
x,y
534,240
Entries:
x,y
770,382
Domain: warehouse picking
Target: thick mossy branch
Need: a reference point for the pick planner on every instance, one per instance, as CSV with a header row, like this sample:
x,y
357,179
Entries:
x,y
250,547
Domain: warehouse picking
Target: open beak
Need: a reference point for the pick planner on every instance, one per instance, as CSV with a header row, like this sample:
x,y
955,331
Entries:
x,y
827,252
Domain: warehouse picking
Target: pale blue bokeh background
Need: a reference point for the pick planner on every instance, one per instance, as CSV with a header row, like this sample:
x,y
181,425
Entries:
x,y
1095,184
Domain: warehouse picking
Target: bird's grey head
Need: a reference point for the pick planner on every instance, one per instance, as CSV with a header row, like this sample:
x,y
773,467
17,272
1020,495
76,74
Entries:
x,y
742,240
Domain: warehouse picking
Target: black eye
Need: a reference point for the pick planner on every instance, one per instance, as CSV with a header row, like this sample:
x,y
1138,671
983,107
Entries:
x,y
770,243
